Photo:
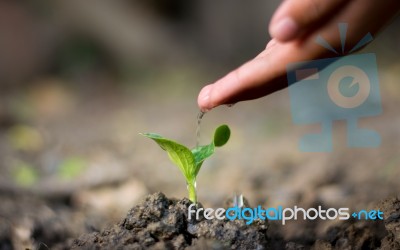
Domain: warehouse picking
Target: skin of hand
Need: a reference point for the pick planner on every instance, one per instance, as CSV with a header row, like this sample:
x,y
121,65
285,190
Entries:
x,y
293,29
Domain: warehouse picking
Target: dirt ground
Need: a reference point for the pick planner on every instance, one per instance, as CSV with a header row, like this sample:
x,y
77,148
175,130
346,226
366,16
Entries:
x,y
160,223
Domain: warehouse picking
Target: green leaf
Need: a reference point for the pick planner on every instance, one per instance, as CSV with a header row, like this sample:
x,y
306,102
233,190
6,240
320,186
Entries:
x,y
178,154
221,135
25,174
190,162
25,138
200,154
71,168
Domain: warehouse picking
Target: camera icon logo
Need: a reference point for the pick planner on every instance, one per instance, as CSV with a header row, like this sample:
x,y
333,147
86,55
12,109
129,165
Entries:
x,y
360,84
330,89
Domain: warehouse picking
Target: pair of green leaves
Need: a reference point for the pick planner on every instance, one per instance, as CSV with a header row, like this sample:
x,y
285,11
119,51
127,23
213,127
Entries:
x,y
190,161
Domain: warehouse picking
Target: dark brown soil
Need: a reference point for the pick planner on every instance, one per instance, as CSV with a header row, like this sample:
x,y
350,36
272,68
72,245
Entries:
x,y
162,223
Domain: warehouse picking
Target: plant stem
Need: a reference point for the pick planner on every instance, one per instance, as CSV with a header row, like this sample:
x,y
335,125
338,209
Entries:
x,y
191,186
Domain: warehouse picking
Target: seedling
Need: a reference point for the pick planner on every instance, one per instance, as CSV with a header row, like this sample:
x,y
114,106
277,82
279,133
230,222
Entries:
x,y
190,161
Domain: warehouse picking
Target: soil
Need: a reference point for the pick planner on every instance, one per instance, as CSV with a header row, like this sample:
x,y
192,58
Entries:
x,y
161,223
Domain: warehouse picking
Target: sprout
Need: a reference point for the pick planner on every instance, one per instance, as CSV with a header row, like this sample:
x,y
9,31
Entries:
x,y
190,161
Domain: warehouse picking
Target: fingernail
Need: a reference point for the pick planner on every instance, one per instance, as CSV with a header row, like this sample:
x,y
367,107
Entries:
x,y
204,97
205,93
284,29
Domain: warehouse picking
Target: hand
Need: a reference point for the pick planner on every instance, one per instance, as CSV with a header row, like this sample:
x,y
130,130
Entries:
x,y
293,28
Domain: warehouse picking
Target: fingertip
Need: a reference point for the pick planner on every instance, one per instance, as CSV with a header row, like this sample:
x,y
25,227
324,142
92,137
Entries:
x,y
284,29
203,100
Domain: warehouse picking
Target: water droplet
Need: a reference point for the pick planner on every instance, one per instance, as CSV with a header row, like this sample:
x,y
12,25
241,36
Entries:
x,y
238,200
199,118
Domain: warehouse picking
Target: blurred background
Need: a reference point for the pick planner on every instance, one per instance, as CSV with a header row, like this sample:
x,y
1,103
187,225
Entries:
x,y
80,79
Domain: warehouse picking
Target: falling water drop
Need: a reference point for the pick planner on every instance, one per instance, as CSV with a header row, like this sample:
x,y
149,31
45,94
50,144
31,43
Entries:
x,y
199,117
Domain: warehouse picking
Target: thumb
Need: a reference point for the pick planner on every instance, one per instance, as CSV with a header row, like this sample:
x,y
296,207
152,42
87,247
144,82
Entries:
x,y
295,18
